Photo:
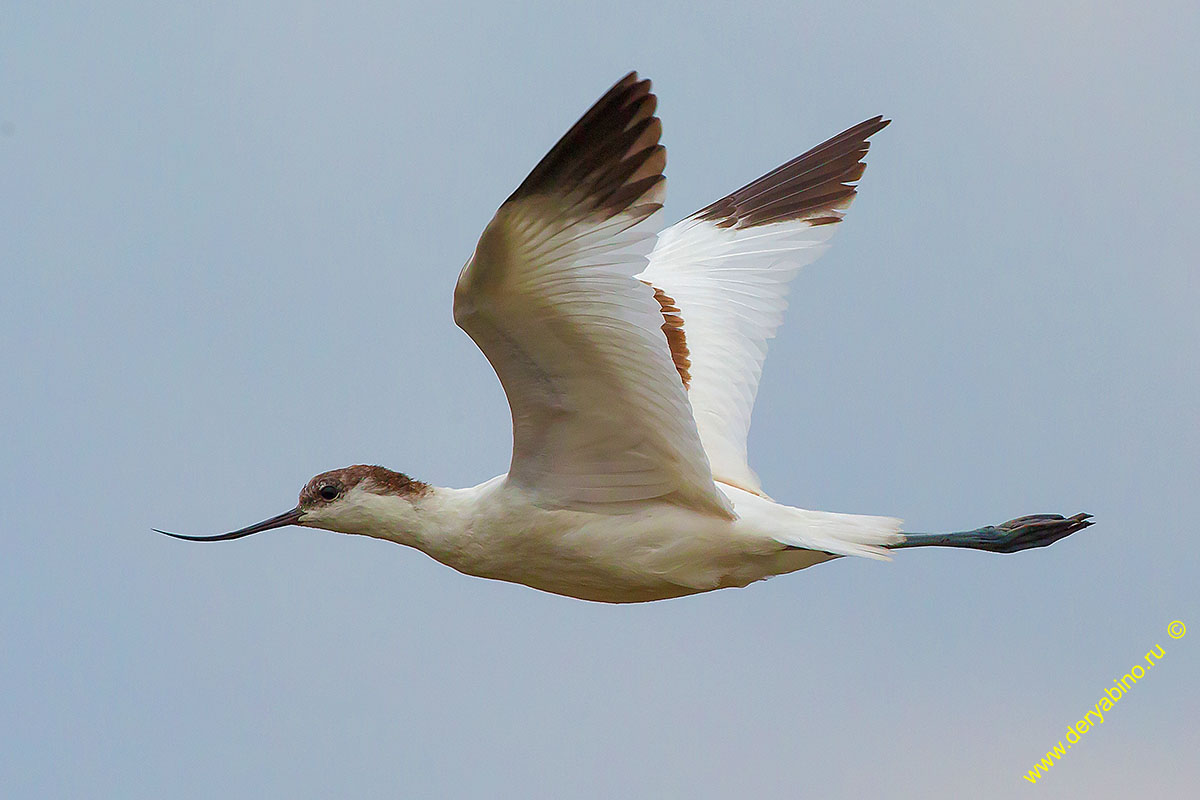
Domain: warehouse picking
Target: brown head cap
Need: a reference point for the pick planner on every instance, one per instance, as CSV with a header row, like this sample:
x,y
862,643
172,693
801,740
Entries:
x,y
329,486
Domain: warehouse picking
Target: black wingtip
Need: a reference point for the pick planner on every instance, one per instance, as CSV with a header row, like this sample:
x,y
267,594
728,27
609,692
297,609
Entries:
x,y
610,159
815,186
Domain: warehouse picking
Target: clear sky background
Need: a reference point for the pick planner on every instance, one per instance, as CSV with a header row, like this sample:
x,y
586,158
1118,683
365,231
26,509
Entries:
x,y
228,241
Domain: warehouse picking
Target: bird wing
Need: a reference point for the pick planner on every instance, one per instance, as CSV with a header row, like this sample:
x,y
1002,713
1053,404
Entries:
x,y
726,270
600,416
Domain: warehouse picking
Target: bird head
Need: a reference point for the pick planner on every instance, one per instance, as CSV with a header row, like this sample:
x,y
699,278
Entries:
x,y
358,499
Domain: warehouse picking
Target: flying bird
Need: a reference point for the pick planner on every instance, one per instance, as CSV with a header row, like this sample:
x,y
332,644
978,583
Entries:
x,y
631,357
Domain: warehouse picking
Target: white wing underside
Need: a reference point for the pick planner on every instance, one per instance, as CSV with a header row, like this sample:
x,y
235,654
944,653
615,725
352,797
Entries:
x,y
600,417
730,286
727,269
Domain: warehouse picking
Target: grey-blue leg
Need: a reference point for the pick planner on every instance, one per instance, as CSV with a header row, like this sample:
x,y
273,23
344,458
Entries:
x,y
1022,533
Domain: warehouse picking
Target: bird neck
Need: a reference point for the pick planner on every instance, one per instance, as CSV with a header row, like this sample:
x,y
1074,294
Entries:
x,y
436,520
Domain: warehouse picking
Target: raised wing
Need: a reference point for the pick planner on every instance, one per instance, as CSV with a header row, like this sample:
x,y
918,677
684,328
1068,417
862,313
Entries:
x,y
727,267
600,417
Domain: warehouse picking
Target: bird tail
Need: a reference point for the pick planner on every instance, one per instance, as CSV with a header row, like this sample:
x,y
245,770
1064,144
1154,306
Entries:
x,y
842,534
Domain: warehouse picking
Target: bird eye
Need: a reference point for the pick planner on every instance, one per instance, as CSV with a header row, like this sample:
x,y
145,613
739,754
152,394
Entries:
x,y
329,491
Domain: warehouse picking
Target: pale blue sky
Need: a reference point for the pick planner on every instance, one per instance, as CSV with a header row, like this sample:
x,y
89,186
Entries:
x,y
228,240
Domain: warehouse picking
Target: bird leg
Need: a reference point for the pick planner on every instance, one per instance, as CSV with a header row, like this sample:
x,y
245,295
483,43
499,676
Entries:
x,y
1022,533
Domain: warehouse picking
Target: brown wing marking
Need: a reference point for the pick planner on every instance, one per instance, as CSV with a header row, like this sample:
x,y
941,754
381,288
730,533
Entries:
x,y
673,329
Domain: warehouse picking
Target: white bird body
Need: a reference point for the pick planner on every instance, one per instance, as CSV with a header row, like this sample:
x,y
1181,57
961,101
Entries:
x,y
631,359
661,550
